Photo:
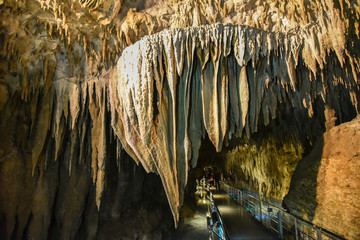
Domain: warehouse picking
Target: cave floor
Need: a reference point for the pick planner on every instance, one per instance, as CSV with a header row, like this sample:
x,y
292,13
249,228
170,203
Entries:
x,y
239,223
194,228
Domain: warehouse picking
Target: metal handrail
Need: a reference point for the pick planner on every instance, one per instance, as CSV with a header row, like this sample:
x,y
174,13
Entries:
x,y
214,206
302,228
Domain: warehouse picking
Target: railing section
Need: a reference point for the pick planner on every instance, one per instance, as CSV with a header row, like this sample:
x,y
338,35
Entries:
x,y
286,225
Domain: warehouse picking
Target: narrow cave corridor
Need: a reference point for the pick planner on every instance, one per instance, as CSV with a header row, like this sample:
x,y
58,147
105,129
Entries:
x,y
191,119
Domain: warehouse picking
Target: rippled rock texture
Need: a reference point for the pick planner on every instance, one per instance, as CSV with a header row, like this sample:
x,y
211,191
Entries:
x,y
217,80
81,81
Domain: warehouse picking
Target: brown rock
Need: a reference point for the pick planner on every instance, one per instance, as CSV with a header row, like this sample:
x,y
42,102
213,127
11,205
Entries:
x,y
338,182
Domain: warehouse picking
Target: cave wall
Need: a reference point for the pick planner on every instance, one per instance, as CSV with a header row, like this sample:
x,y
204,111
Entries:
x,y
338,181
57,199
59,157
266,169
325,186
82,79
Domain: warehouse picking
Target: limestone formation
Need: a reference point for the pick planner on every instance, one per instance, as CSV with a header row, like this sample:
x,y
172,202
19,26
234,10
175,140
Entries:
x,y
325,187
157,77
81,81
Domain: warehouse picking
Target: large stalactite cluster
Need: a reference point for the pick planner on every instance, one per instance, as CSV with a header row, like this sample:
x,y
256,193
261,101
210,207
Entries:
x,y
154,78
216,80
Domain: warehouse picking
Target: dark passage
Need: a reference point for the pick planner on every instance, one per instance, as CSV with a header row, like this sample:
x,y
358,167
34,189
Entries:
x,y
238,222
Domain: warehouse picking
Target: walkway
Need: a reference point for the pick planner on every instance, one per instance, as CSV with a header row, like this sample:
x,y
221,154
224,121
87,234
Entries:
x,y
239,223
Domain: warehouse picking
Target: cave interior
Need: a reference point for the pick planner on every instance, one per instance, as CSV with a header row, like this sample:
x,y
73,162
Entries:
x,y
110,110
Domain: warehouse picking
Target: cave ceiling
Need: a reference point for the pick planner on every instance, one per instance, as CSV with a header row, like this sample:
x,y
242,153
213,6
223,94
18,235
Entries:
x,y
157,76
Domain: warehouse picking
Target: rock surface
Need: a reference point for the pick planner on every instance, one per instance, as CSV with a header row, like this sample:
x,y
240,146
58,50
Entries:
x,y
327,192
266,169
81,79
338,182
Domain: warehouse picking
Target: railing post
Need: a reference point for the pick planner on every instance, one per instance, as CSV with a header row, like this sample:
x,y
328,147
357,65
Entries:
x,y
296,229
318,233
241,197
279,225
269,210
246,199
260,216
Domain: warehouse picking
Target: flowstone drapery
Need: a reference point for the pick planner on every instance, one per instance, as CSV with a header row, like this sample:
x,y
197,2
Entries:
x,y
187,70
172,88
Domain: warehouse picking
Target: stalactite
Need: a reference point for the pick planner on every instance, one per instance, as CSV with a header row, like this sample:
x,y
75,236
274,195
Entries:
x,y
239,68
168,90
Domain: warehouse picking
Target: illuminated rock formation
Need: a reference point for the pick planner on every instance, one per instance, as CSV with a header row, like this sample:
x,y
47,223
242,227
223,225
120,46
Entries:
x,y
80,79
172,88
325,186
